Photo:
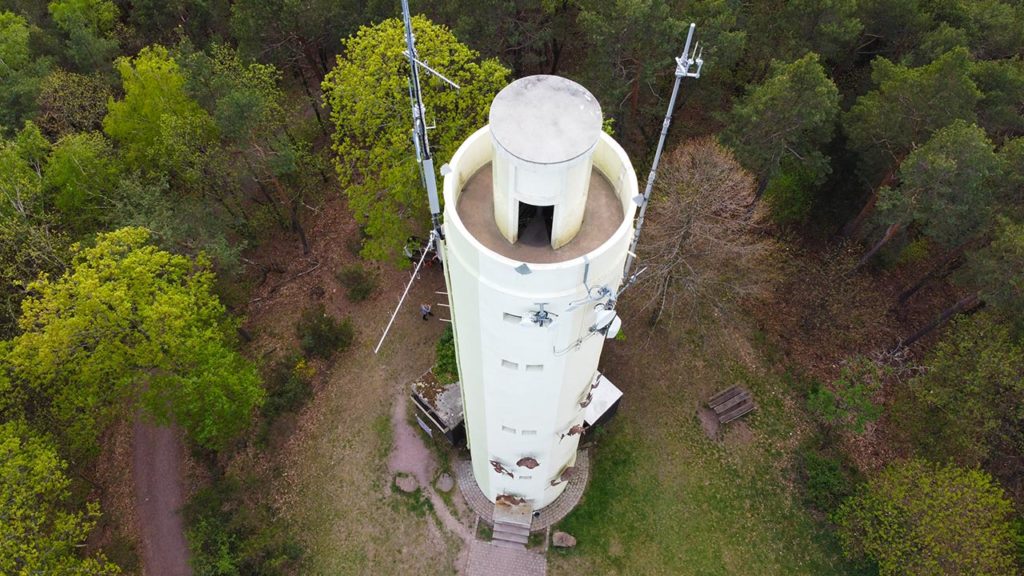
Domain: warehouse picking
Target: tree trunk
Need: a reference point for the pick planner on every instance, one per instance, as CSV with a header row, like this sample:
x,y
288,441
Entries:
x,y
965,304
853,226
948,263
297,227
556,56
312,102
889,234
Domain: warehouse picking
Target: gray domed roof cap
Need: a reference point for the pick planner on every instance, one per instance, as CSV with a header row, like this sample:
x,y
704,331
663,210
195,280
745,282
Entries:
x,y
545,119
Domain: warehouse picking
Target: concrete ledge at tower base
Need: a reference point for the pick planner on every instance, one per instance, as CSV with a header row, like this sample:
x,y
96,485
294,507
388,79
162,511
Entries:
x,y
439,408
604,402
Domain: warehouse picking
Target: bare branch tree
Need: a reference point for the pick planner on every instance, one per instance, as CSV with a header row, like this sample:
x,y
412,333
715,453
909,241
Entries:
x,y
702,245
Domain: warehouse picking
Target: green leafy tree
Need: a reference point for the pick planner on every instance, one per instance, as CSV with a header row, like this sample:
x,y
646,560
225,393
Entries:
x,y
630,46
39,534
89,26
80,174
129,322
946,187
994,29
995,272
375,161
919,518
887,123
20,72
70,102
786,30
29,246
1002,86
21,172
892,27
167,21
965,406
300,36
789,118
159,127
529,35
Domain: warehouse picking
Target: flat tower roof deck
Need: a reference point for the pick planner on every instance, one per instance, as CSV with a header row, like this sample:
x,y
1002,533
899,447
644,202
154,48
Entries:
x,y
601,217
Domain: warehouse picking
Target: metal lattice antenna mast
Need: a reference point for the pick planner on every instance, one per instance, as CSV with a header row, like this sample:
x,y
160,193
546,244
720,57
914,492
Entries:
x,y
419,128
683,64
423,156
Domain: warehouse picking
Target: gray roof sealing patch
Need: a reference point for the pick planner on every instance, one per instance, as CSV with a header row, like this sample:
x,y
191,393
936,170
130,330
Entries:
x,y
545,119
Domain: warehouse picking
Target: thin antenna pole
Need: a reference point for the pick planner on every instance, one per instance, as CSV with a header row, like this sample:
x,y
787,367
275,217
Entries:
x,y
682,71
426,250
419,130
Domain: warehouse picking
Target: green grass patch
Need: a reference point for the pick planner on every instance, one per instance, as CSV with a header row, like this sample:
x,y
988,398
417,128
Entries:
x,y
664,499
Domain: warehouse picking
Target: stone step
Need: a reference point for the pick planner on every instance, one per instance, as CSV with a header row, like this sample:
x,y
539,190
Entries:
x,y
499,534
507,544
514,528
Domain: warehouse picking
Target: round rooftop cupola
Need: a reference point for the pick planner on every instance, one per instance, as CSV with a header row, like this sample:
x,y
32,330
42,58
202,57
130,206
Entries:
x,y
544,130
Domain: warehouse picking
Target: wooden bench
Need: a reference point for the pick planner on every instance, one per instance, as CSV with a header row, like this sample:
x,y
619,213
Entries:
x,y
730,404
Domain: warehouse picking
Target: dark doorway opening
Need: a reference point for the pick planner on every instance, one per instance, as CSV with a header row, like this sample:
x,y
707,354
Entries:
x,y
535,224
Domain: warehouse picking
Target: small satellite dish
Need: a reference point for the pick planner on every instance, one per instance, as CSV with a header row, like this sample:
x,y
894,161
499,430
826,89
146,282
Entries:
x,y
605,318
613,328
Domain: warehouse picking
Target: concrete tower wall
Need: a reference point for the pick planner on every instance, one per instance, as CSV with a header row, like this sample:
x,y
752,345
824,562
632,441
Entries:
x,y
522,383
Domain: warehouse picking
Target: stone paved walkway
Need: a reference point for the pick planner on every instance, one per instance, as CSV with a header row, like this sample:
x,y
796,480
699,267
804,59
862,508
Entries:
x,y
487,559
549,515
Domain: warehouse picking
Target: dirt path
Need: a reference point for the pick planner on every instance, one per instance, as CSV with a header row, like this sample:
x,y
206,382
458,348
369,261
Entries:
x,y
159,494
410,455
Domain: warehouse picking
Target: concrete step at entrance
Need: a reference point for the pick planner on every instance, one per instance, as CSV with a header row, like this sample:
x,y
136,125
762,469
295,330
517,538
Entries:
x,y
508,534
507,544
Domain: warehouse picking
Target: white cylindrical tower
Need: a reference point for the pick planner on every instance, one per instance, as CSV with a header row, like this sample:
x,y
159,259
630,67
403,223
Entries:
x,y
538,219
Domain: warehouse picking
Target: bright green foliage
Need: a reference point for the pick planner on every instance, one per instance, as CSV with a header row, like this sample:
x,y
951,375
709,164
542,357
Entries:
x,y
446,368
159,127
38,535
131,322
946,187
966,405
70,102
996,272
21,174
19,72
851,401
368,95
922,519
909,104
789,117
80,174
89,25
14,51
